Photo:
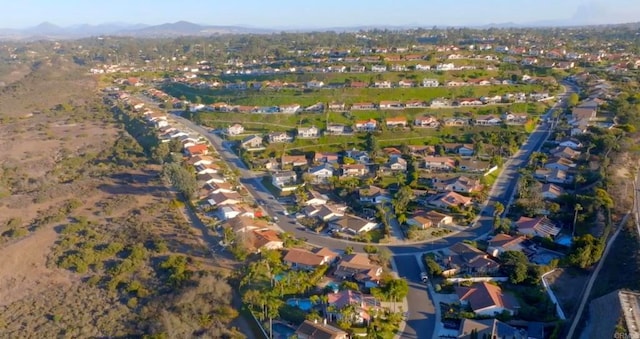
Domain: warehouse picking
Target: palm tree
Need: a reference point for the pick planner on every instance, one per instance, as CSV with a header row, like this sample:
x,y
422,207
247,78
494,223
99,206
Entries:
x,y
273,310
576,209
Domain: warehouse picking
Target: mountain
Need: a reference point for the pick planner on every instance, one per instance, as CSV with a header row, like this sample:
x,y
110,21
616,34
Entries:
x,y
47,30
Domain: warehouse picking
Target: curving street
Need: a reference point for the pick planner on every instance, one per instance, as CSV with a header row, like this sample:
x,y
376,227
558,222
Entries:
x,y
420,322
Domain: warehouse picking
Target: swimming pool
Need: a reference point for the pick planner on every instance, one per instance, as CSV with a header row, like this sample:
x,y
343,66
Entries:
x,y
282,331
334,286
303,304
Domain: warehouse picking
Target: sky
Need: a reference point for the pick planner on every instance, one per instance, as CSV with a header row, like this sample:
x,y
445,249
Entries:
x,y
316,13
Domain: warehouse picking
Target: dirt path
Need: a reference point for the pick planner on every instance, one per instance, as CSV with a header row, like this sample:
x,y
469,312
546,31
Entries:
x,y
23,268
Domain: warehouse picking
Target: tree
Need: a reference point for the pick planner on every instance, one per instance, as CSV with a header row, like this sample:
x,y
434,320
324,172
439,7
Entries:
x,y
182,179
402,199
577,208
585,251
514,265
371,145
348,250
498,208
433,268
160,152
573,100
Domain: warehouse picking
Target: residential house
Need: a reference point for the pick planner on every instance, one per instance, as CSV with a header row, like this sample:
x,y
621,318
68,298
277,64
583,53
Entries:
x,y
514,119
487,299
251,142
358,84
565,152
321,173
396,122
415,104
397,164
363,106
464,150
325,157
316,199
294,160
366,125
438,219
359,156
317,107
553,176
199,160
487,120
284,179
454,83
465,259
538,226
390,105
468,102
504,242
456,121
382,84
209,178
291,108
398,67
449,200
582,117
364,306
336,106
474,165
353,224
265,239
244,224
562,164
359,267
227,212
235,129
439,163
489,328
301,259
278,137
224,198
430,82
378,68
420,221
315,84
373,195
445,67
551,191
308,132
354,170
328,213
460,184
357,69
421,67
314,330
572,143
199,149
337,129
440,102
426,121
406,83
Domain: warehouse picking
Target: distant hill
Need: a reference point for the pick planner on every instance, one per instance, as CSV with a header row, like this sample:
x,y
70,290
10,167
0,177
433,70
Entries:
x,y
47,30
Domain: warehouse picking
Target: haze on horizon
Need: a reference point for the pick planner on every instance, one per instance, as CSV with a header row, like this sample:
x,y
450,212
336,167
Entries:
x,y
329,13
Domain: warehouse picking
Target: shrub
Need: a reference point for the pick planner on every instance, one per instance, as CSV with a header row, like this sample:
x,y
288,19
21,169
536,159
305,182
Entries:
x,y
370,249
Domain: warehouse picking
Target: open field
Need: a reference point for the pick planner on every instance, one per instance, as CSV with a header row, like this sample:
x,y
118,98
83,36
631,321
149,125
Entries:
x,y
90,238
568,284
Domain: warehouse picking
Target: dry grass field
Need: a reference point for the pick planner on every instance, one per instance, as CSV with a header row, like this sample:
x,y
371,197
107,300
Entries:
x,y
90,241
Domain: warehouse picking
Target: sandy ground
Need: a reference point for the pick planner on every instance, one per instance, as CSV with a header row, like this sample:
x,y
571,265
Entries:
x,y
568,285
23,268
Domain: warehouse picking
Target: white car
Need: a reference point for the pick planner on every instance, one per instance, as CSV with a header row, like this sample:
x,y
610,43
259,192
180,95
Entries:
x,y
424,277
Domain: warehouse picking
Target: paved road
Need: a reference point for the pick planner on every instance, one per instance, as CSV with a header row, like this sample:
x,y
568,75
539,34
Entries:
x,y
421,320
